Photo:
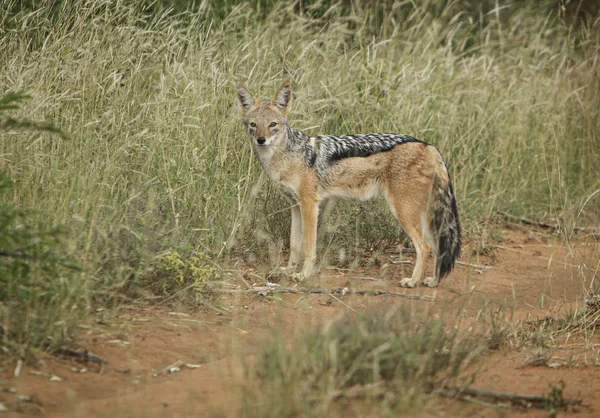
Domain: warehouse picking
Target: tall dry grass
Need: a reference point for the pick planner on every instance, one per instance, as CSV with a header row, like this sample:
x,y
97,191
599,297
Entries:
x,y
156,159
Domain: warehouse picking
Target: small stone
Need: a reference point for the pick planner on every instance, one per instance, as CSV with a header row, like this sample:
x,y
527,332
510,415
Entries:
x,y
120,342
193,366
555,365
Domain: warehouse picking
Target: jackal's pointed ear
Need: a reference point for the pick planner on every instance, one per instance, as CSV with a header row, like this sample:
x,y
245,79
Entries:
x,y
245,99
283,96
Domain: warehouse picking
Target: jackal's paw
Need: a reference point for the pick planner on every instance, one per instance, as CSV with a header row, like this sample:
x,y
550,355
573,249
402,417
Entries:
x,y
298,277
407,283
430,282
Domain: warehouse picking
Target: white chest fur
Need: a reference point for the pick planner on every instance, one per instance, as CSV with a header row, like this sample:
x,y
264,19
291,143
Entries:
x,y
282,168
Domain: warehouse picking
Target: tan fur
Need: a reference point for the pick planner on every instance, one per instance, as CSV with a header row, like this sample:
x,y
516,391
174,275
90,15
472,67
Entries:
x,y
404,176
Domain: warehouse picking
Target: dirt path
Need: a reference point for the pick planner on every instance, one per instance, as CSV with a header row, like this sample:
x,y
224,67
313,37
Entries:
x,y
531,276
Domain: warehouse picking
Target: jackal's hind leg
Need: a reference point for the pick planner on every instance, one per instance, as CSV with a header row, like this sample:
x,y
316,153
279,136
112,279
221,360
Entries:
x,y
422,249
410,217
429,237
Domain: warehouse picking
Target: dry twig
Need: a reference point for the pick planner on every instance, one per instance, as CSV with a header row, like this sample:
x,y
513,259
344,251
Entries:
x,y
175,367
540,224
82,356
513,399
475,266
265,290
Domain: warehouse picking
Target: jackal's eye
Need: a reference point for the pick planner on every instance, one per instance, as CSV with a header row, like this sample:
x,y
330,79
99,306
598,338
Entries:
x,y
253,124
272,124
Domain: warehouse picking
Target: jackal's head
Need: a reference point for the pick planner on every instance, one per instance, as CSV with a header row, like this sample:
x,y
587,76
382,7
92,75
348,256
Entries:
x,y
266,121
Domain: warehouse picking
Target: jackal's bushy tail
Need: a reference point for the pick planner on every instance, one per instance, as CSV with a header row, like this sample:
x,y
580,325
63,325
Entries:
x,y
445,225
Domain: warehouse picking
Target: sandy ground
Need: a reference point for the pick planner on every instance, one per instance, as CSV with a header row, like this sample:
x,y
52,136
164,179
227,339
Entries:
x,y
532,275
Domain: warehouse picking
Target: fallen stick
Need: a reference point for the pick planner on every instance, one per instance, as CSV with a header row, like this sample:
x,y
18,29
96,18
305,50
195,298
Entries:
x,y
515,399
265,290
172,368
402,251
476,266
82,356
540,224
396,294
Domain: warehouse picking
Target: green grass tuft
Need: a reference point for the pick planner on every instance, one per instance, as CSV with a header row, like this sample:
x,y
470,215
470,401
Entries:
x,y
397,358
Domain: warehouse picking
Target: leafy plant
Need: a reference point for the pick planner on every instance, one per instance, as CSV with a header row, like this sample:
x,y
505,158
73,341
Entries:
x,y
41,289
174,272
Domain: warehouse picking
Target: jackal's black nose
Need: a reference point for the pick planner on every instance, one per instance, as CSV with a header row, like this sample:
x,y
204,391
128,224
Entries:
x,y
261,140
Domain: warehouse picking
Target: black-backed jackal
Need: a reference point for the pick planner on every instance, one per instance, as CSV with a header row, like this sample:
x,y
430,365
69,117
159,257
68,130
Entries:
x,y
409,173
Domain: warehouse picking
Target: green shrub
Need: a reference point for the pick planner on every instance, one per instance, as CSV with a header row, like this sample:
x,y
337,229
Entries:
x,y
42,291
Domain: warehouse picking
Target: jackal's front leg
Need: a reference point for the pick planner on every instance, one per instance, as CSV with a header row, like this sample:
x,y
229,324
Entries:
x,y
309,209
295,238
